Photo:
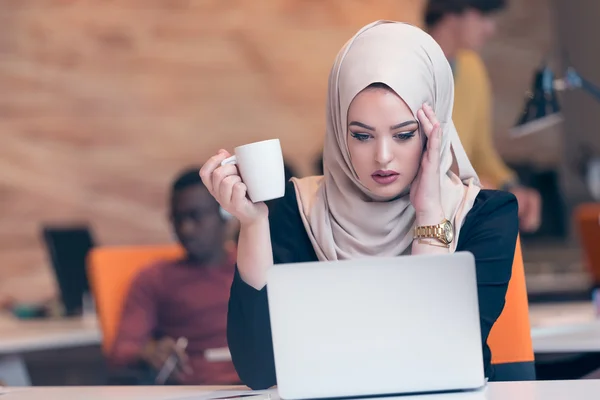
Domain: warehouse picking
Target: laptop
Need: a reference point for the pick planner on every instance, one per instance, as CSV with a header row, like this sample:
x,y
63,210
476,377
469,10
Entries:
x,y
376,326
68,247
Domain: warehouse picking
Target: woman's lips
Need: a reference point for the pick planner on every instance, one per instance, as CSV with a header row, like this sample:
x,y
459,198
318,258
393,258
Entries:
x,y
384,177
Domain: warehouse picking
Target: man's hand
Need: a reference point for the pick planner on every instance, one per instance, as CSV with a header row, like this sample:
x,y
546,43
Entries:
x,y
530,205
530,208
156,354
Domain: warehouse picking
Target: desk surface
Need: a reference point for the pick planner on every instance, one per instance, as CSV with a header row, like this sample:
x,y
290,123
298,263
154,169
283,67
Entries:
x,y
564,328
560,314
579,338
18,336
542,390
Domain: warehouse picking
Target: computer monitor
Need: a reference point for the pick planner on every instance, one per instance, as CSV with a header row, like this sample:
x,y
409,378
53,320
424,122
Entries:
x,y
68,247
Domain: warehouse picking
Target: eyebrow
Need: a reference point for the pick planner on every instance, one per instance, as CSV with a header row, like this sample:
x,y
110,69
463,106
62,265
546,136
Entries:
x,y
403,124
361,125
397,126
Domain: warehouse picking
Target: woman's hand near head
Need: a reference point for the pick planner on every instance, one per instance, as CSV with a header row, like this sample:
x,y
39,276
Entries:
x,y
226,186
425,193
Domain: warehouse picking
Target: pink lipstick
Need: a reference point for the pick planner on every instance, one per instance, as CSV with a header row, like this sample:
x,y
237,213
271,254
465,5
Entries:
x,y
384,177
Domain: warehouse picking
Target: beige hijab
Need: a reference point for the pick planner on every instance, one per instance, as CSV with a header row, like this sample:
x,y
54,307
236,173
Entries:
x,y
345,220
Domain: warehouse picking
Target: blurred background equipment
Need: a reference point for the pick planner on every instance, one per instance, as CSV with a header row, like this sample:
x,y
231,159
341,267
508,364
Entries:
x,y
68,247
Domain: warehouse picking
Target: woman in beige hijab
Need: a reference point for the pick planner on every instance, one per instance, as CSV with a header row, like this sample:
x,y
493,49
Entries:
x,y
396,182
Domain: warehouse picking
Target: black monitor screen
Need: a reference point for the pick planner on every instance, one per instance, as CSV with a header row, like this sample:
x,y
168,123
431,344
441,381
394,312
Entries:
x,y
68,248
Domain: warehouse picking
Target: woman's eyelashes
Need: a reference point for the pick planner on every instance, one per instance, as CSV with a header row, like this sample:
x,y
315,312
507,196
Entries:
x,y
361,137
402,136
405,135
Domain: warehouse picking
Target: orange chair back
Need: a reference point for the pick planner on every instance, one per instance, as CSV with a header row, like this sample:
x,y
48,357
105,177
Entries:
x,y
111,271
510,337
587,220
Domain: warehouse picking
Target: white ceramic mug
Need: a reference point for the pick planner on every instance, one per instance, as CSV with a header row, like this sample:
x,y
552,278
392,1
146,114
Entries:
x,y
261,169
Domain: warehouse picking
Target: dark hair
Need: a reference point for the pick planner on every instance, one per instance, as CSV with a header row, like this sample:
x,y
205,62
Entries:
x,y
379,85
186,178
436,10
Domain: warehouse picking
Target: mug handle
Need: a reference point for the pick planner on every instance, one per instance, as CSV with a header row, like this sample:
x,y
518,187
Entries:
x,y
230,160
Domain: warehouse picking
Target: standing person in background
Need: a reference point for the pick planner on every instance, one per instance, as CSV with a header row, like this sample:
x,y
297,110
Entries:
x,y
462,28
186,298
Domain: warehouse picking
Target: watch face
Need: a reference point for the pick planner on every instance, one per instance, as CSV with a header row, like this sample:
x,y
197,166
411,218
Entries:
x,y
448,232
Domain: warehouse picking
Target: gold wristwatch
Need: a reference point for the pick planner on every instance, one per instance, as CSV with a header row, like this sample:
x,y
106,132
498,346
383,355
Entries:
x,y
443,232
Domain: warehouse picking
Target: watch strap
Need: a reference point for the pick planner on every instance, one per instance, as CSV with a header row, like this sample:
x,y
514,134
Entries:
x,y
429,231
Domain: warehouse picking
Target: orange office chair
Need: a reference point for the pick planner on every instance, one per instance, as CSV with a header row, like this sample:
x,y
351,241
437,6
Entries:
x,y
510,337
587,220
111,270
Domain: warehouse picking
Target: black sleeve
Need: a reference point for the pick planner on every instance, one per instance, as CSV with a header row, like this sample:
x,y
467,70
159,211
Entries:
x,y
490,234
248,324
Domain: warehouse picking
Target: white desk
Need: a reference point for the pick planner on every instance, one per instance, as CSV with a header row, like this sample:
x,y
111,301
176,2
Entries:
x,y
578,338
564,328
18,337
543,390
560,314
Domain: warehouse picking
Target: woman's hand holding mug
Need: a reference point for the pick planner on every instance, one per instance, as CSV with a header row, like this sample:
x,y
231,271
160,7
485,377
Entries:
x,y
243,182
225,184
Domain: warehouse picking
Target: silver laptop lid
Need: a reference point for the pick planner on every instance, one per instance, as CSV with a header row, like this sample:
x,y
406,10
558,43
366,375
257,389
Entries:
x,y
376,326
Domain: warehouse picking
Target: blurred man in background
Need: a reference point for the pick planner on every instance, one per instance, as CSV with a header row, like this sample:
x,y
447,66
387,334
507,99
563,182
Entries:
x,y
185,299
462,28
